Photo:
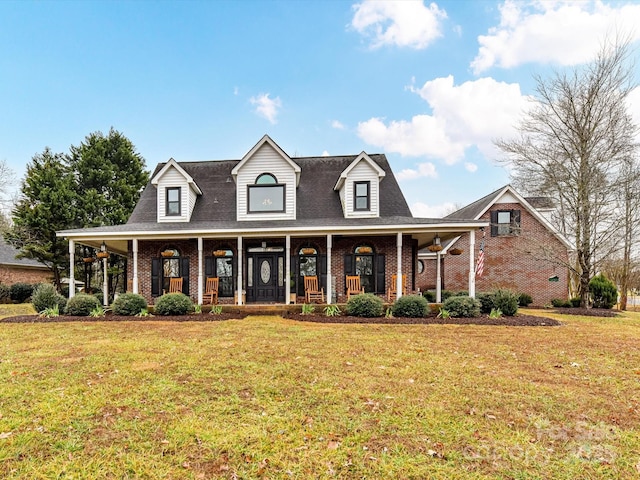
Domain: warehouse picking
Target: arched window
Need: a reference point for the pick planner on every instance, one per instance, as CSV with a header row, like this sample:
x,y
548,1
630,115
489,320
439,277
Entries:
x,y
266,195
266,179
170,266
364,266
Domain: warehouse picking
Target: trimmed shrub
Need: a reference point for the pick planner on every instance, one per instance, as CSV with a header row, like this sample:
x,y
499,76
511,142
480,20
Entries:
x,y
525,300
410,306
129,304
462,307
81,305
603,292
560,303
173,304
506,301
575,302
365,305
429,295
20,292
45,296
486,302
5,293
446,294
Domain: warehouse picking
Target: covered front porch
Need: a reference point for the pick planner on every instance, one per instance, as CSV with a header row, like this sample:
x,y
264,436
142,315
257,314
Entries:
x,y
268,267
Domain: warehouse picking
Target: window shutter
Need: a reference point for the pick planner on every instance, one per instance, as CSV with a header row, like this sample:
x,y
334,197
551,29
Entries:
x,y
322,272
349,268
295,281
184,272
155,276
380,273
494,223
209,267
515,222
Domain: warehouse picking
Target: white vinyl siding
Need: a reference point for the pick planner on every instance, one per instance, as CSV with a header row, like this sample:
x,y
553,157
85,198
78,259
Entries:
x,y
266,160
362,172
172,179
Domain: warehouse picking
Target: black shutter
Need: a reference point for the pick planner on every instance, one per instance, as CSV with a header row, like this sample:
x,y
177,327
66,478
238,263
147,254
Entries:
x,y
209,267
322,272
380,273
515,222
349,268
494,223
155,276
184,272
293,274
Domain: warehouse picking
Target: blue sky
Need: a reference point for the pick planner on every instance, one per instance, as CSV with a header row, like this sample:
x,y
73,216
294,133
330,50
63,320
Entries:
x,y
429,84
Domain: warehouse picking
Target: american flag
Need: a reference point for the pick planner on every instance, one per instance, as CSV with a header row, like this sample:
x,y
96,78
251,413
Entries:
x,y
480,263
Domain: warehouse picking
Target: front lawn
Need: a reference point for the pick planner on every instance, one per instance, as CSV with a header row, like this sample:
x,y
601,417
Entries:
x,y
265,397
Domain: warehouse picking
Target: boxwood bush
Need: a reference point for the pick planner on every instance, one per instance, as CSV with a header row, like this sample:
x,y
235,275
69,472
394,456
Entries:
x,y
525,300
5,293
45,296
129,304
81,305
506,301
560,303
410,306
173,304
486,302
462,306
365,305
20,292
429,295
604,293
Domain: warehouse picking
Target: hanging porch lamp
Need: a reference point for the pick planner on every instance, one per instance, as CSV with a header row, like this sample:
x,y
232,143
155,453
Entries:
x,y
436,246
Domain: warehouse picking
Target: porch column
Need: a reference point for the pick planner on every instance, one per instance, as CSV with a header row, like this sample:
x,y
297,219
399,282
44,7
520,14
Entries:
x,y
105,283
135,265
329,282
438,279
200,265
287,269
72,261
240,269
399,268
472,266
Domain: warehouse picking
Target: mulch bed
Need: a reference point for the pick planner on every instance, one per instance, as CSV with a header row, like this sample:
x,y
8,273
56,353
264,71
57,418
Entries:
x,y
518,320
587,312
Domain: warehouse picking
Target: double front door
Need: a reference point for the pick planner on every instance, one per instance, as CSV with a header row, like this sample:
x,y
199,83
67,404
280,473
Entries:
x,y
265,278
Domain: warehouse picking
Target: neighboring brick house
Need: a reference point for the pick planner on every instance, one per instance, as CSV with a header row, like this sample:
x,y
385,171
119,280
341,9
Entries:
x,y
522,250
263,222
15,270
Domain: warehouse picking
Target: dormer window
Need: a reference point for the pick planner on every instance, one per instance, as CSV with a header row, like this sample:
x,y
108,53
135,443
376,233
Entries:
x,y
173,201
266,195
362,195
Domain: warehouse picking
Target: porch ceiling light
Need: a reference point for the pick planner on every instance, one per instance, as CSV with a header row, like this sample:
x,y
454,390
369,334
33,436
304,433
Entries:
x,y
103,253
436,246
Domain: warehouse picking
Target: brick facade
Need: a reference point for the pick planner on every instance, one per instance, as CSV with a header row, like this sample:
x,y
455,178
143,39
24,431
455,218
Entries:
x,y
341,245
10,275
510,261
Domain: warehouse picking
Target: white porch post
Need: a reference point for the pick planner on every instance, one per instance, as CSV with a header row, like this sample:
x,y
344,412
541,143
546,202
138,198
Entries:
x,y
240,268
472,262
287,269
438,279
200,272
72,261
399,270
105,283
329,282
135,265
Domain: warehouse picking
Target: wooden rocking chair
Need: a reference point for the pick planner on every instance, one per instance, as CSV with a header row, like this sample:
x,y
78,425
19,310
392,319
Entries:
x,y
392,292
211,291
311,291
353,286
175,285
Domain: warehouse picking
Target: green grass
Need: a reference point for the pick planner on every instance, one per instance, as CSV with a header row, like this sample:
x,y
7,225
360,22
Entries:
x,y
271,398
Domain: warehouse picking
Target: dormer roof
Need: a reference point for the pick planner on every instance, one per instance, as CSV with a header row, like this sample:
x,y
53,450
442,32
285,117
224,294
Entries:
x,y
362,157
267,139
173,164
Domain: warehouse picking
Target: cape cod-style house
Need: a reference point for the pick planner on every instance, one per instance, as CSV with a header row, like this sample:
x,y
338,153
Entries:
x,y
261,223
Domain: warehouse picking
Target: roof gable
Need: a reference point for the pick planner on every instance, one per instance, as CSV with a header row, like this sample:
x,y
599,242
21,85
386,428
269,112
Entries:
x,y
266,139
363,157
175,165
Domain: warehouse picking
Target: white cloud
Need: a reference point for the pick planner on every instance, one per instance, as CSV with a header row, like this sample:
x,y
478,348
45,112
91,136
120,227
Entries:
x,y
562,32
427,169
236,90
408,23
471,114
422,210
325,153
267,107
634,105
471,167
338,125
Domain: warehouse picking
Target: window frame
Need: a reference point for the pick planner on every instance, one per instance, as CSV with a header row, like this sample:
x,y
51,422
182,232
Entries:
x,y
367,183
506,229
263,186
167,211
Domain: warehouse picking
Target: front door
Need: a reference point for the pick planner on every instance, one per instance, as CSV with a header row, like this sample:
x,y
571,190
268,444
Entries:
x,y
266,278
